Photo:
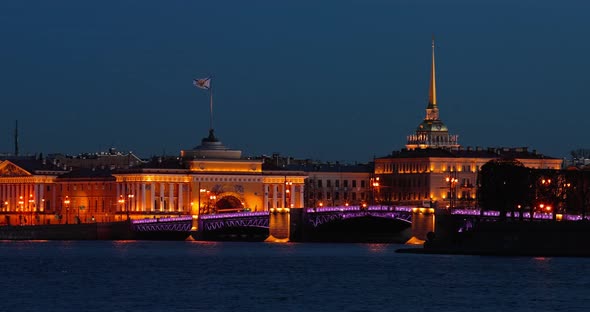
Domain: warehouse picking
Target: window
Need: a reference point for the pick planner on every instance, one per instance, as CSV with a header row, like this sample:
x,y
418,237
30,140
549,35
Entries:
x,y
320,183
337,183
353,196
329,183
337,195
362,183
345,183
353,183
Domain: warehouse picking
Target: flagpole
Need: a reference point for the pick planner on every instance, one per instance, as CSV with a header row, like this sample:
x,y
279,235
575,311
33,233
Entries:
x,y
210,106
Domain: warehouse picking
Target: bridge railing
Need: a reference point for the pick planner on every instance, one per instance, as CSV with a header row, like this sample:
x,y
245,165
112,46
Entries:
x,y
158,220
526,215
359,208
234,215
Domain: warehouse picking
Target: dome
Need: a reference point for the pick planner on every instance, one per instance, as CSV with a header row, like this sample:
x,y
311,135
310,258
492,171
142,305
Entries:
x,y
432,126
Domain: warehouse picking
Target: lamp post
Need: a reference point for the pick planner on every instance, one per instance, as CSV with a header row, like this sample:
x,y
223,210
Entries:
x,y
130,198
121,202
375,185
67,203
452,182
287,192
31,206
213,198
21,203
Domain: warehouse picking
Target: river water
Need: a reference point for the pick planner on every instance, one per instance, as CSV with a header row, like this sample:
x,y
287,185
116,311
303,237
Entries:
x,y
211,276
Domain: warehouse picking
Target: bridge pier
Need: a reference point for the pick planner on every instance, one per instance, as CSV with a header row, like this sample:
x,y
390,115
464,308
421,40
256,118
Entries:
x,y
279,225
423,221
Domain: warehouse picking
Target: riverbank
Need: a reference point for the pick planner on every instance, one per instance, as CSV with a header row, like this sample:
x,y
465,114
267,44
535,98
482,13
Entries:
x,y
513,238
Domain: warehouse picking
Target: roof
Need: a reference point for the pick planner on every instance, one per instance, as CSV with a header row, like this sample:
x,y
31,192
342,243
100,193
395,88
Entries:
x,y
87,173
323,167
35,165
493,152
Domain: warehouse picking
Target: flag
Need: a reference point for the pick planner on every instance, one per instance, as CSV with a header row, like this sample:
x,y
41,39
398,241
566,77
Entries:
x,y
204,83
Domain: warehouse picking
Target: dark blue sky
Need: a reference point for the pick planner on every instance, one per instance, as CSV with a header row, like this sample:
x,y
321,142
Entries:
x,y
328,80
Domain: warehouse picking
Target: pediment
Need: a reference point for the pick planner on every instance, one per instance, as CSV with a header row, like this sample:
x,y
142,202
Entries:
x,y
8,169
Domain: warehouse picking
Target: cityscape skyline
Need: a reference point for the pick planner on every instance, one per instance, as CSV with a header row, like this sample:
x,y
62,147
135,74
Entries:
x,y
347,85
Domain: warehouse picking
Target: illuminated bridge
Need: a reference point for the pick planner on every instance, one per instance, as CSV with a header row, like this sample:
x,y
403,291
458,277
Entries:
x,y
319,216
221,221
176,228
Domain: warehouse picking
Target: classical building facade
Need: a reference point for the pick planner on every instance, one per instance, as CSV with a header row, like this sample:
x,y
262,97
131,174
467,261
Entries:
x,y
28,191
334,184
207,179
447,177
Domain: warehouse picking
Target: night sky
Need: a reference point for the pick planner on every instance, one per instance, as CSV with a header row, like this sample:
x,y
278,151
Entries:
x,y
327,80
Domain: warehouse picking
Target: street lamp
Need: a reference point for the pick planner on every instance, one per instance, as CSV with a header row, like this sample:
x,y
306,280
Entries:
x,y
21,203
67,203
375,185
287,192
213,198
201,190
121,202
31,206
130,198
452,182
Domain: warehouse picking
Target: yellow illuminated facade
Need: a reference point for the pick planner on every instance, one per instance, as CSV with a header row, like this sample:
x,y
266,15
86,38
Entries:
x,y
424,177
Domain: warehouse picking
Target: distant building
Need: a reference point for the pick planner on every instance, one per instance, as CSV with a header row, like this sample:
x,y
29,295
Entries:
x,y
110,160
330,184
445,176
28,191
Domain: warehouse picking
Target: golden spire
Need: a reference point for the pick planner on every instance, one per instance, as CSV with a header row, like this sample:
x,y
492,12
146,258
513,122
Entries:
x,y
432,89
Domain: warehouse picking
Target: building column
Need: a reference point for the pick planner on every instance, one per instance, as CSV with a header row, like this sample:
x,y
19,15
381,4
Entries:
x,y
143,197
153,199
161,196
138,196
283,194
171,197
180,186
301,196
274,195
54,197
292,204
265,203
41,200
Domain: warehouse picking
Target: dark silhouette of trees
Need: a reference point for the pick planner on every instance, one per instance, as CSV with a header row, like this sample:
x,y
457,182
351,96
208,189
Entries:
x,y
505,185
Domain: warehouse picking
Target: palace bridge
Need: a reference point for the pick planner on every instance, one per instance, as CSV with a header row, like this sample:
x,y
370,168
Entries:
x,y
283,224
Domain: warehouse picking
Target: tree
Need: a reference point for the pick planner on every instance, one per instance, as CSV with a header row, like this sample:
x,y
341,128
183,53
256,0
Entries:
x,y
504,186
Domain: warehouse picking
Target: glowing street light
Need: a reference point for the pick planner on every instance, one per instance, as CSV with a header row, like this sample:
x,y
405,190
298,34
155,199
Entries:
x,y
130,198
67,203
452,181
31,206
